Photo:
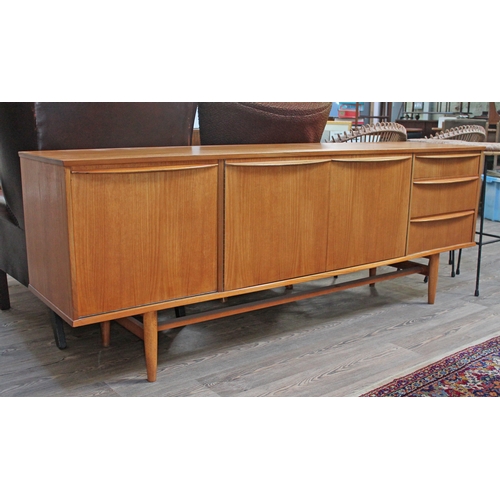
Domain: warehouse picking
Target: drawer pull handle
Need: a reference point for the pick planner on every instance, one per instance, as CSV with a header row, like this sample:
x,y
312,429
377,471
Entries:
x,y
284,163
375,159
447,157
144,170
451,180
456,215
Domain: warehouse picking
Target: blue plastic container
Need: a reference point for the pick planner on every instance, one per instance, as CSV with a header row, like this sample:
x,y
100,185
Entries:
x,y
492,198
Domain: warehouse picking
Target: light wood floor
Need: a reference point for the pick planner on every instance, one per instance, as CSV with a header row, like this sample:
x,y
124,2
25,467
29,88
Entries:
x,y
338,345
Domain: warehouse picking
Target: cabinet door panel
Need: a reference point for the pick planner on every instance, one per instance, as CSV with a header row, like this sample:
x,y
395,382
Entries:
x,y
369,206
142,238
275,221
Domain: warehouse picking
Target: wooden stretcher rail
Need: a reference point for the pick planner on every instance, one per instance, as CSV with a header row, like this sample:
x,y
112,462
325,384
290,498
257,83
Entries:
x,y
407,268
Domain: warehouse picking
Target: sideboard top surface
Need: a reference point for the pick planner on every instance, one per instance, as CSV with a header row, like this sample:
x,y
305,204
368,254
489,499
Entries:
x,y
70,158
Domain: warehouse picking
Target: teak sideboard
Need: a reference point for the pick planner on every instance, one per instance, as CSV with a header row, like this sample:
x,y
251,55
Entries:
x,y
120,234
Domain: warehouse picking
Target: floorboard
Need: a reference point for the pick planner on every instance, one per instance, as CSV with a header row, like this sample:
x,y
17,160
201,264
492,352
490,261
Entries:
x,y
337,345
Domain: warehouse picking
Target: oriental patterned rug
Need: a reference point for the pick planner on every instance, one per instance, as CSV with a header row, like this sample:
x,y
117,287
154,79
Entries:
x,y
474,371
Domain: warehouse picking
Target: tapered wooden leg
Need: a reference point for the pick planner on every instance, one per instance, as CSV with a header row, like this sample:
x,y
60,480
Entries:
x,y
151,344
106,333
433,277
372,272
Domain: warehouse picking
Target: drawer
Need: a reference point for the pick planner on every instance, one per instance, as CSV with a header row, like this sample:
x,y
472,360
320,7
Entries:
x,y
446,166
441,232
435,197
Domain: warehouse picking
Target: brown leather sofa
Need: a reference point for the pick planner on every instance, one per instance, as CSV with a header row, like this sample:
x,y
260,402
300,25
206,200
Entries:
x,y
262,122
47,126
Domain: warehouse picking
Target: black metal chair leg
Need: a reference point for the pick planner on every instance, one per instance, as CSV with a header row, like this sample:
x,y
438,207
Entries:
x,y
452,263
479,243
58,327
4,291
459,261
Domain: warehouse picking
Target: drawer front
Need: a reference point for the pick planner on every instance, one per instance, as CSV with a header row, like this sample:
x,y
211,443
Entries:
x,y
430,234
446,166
435,198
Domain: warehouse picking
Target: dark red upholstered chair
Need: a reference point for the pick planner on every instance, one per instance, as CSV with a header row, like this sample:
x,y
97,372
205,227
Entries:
x,y
262,122
48,126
